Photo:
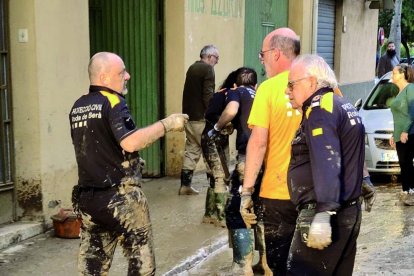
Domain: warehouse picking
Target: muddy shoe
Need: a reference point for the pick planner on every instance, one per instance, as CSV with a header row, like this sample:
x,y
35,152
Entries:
x,y
220,223
402,196
236,270
187,190
258,268
409,199
209,220
261,267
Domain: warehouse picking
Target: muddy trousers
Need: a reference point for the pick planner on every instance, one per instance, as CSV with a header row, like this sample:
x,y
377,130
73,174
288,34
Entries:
x,y
111,216
279,218
217,192
192,150
336,259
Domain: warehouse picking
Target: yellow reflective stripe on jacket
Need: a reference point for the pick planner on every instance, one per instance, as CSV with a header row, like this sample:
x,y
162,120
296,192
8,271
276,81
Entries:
x,y
308,111
113,99
324,102
317,131
327,102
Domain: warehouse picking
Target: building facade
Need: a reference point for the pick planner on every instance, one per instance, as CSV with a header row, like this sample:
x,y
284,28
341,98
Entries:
x,y
46,46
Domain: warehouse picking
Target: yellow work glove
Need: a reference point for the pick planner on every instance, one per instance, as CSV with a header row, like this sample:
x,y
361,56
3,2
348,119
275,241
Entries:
x,y
246,209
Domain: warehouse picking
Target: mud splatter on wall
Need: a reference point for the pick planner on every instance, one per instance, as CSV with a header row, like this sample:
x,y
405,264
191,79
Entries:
x,y
29,197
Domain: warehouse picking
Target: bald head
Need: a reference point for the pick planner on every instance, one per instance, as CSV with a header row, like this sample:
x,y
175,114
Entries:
x,y
280,47
100,63
286,40
108,70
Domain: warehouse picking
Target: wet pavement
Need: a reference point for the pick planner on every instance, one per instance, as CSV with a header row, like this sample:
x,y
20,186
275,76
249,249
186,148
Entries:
x,y
180,240
385,244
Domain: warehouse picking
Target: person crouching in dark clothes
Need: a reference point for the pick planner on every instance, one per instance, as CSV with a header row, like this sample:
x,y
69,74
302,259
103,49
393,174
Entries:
x,y
325,172
217,192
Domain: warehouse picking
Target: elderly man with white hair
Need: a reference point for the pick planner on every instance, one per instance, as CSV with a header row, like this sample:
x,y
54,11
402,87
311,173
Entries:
x,y
325,172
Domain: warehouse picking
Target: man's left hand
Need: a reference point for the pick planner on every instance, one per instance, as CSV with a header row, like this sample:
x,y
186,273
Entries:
x,y
320,231
246,210
369,194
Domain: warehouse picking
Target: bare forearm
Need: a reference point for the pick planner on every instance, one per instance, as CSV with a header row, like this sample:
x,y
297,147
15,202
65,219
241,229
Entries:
x,y
254,159
228,114
143,137
225,118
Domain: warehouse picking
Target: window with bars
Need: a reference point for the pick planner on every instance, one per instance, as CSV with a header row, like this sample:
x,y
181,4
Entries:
x,y
6,137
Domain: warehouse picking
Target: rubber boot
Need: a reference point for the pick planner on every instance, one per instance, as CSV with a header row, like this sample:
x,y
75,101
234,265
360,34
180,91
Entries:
x,y
261,267
186,189
220,206
242,241
210,212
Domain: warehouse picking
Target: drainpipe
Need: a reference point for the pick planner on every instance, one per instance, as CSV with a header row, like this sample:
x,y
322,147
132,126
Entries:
x,y
314,26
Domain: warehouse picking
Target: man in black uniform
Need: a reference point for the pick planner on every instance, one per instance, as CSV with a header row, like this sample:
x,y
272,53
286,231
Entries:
x,y
325,172
108,195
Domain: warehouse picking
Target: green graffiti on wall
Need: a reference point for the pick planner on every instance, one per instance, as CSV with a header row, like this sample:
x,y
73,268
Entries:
x,y
196,6
224,8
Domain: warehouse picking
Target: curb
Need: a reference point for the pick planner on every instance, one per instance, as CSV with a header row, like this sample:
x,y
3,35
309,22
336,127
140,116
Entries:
x,y
16,232
199,256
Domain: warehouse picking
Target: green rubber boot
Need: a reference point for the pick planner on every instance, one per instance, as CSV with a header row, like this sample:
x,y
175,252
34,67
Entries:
x,y
242,242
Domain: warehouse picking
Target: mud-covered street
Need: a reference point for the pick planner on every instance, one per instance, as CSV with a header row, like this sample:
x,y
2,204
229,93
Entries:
x,y
385,244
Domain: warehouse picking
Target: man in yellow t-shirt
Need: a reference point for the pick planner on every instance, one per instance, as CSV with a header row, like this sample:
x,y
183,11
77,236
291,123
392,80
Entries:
x,y
273,122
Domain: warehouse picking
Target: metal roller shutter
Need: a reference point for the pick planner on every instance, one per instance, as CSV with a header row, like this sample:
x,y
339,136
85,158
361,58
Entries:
x,y
326,31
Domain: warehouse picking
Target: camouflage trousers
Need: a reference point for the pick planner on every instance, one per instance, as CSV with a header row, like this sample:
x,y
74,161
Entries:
x,y
119,214
217,192
218,181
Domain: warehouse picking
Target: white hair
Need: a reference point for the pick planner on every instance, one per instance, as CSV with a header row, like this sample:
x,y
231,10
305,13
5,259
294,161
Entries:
x,y
208,50
316,66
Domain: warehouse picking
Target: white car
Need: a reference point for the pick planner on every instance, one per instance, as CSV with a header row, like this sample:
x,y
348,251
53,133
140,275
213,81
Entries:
x,y
376,115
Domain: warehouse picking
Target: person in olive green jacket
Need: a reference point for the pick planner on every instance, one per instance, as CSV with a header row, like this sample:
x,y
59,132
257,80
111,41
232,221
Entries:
x,y
198,90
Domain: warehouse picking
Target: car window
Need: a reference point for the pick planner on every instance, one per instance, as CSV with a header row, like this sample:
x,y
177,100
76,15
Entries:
x,y
382,96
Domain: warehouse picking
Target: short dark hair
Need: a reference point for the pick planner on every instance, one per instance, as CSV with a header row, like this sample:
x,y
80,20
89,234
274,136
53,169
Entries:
x,y
246,76
229,82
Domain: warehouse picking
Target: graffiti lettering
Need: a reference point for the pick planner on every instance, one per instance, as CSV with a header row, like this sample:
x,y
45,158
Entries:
x,y
196,6
226,8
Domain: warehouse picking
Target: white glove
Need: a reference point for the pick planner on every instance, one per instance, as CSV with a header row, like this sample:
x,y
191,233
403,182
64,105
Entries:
x,y
320,231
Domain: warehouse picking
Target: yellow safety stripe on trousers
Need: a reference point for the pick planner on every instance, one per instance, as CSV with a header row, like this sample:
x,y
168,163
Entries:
x,y
317,131
113,99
